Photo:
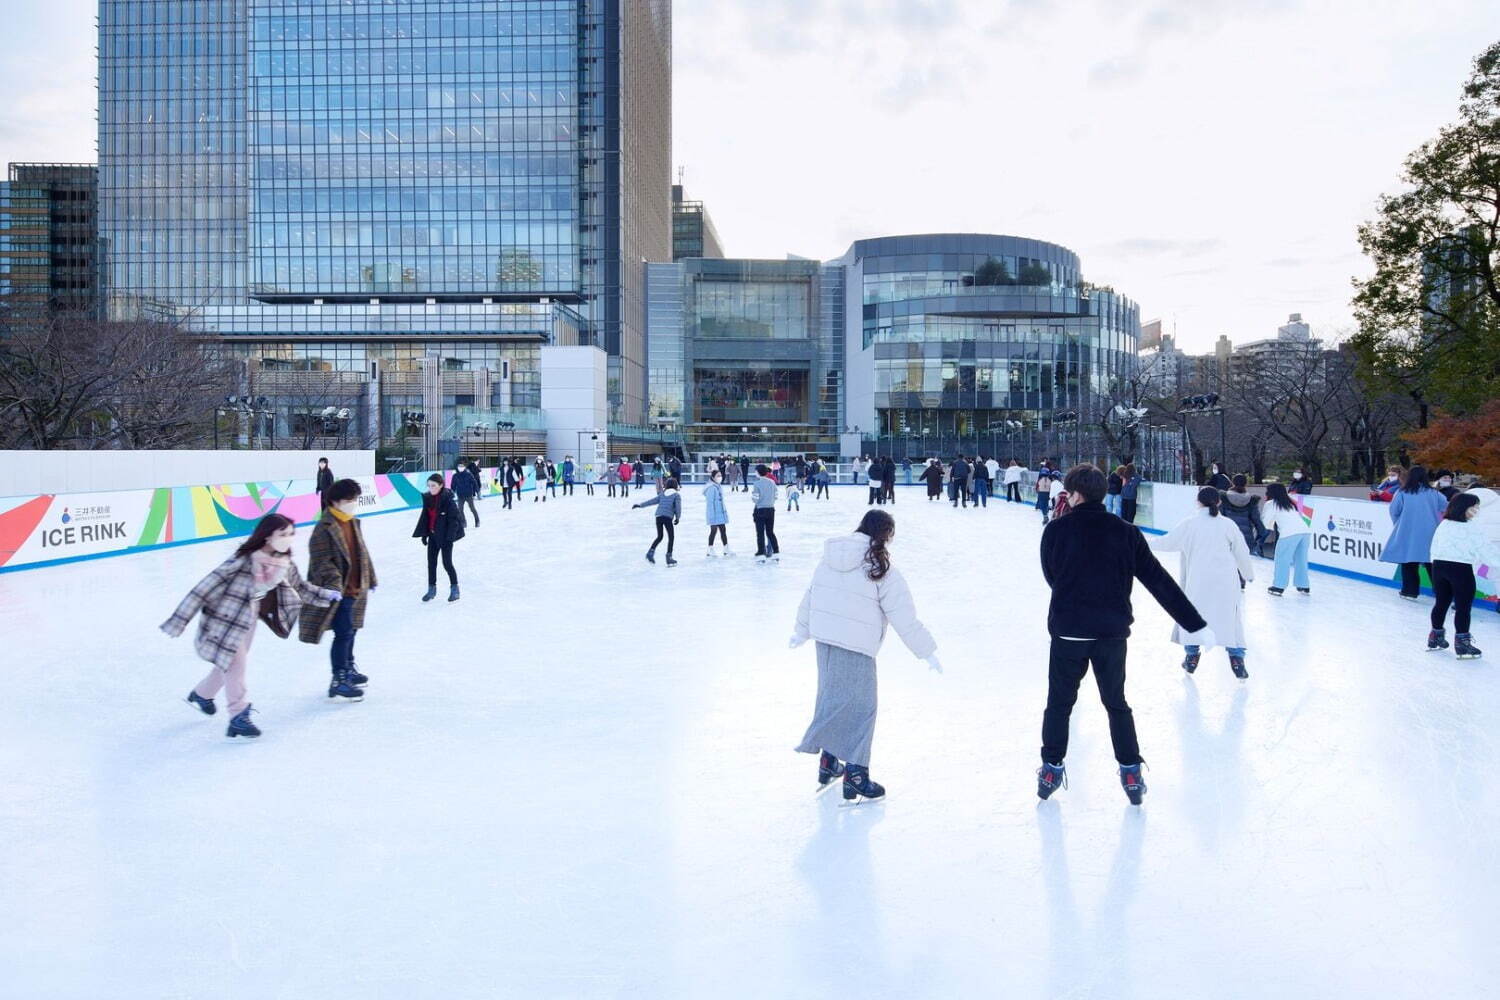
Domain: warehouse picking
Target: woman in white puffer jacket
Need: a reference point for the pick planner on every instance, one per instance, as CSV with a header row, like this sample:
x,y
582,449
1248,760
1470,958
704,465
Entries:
x,y
854,594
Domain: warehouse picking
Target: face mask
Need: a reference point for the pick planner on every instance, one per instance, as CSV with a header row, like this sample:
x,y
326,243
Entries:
x,y
1445,481
347,506
1296,475
279,543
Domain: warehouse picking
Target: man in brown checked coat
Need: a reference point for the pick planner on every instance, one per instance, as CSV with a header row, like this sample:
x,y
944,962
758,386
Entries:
x,y
338,560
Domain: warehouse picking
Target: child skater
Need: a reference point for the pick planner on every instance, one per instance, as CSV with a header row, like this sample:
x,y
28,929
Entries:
x,y
230,600
1215,559
1458,545
668,504
338,560
793,495
855,592
718,513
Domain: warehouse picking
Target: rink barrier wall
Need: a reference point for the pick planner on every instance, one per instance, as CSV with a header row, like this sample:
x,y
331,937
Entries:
x,y
53,529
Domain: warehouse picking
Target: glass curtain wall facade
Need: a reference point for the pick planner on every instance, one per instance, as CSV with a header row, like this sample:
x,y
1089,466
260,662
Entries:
x,y
988,344
277,169
25,254
742,355
693,232
73,202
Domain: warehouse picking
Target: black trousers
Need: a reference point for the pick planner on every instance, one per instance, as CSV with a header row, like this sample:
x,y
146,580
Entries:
x,y
469,502
1452,583
1127,509
1070,660
664,524
1411,578
1013,492
505,495
432,561
718,529
765,531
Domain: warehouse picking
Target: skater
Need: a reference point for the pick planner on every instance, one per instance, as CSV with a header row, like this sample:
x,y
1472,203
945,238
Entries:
x,y
1115,483
793,496
1458,546
626,471
933,477
763,495
674,468
478,475
717,512
1243,509
734,477
231,599
1128,490
325,480
508,486
568,470
1216,477
877,491
958,482
993,468
888,478
1415,513
638,473
1013,482
1090,559
1293,536
539,474
553,478
822,479
1215,567
612,476
465,486
1044,489
668,504
1057,498
855,592
981,476
906,469
439,525
337,559
1301,485
1385,490
744,471
859,468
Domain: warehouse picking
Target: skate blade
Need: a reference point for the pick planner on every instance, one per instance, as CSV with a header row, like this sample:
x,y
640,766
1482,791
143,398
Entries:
x,y
339,699
824,788
859,800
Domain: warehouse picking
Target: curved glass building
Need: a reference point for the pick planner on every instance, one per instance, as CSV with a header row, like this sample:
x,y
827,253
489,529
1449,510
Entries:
x,y
979,343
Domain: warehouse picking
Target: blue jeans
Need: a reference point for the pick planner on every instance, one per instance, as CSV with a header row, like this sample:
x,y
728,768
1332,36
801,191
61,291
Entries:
x,y
982,492
1231,650
1291,554
1112,503
341,653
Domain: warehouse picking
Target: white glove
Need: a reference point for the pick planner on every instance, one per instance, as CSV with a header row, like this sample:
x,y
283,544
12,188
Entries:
x,y
932,661
795,641
333,596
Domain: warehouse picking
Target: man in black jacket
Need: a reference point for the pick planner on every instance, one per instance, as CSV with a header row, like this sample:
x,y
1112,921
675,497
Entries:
x,y
959,481
466,487
1090,559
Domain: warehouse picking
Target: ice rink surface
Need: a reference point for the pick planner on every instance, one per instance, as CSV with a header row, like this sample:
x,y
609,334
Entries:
x,y
578,782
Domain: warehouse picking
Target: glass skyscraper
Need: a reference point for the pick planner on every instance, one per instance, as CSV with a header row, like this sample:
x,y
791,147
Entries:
x,y
466,174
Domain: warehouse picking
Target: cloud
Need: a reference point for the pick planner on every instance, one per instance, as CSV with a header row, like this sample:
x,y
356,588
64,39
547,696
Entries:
x,y
1146,246
1116,72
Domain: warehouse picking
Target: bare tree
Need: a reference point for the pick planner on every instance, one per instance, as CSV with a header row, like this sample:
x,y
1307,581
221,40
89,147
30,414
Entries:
x,y
1298,394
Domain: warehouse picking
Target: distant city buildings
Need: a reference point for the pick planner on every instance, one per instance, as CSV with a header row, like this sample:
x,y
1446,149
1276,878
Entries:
x,y
49,245
693,232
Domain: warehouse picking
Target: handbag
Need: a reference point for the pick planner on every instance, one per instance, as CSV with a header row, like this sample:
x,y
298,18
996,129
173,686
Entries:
x,y
270,613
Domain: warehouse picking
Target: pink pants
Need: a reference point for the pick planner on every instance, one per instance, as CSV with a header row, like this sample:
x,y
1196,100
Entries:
x,y
233,678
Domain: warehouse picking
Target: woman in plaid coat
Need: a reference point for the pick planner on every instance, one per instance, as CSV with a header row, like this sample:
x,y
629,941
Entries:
x,y
229,599
338,560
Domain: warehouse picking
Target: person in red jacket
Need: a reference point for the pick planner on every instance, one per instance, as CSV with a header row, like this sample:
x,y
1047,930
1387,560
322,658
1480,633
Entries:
x,y
625,473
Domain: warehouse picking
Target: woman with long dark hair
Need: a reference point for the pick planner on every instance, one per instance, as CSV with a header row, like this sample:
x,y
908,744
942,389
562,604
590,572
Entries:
x,y
855,593
1458,545
1243,508
1415,512
230,601
1293,537
1130,485
1215,559
439,525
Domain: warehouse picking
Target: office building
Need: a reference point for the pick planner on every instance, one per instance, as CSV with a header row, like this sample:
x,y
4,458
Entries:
x,y
48,241
693,232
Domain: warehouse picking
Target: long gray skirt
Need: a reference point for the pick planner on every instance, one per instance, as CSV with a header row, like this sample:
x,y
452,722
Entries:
x,y
844,719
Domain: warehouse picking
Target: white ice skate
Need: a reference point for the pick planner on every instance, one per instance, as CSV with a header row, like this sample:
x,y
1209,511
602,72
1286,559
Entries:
x,y
710,554
728,552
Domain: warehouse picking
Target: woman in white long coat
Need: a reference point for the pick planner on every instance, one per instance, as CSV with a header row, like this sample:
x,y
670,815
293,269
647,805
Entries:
x,y
1215,561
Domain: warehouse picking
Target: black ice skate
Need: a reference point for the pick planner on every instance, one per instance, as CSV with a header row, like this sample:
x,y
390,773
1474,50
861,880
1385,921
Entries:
x,y
1133,783
859,788
1305,591
829,770
355,677
204,705
1276,591
1190,661
453,593
1049,778
241,725
1237,664
651,555
341,687
1464,648
431,593
1435,640
670,560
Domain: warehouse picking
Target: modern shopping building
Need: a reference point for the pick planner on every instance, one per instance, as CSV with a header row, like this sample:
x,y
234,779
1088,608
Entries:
x,y
419,192
48,241
747,354
904,346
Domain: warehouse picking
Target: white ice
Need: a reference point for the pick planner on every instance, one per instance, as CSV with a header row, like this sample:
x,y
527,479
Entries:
x,y
578,782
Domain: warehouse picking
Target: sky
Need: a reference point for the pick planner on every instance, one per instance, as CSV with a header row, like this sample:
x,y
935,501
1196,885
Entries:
x,y
1211,159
